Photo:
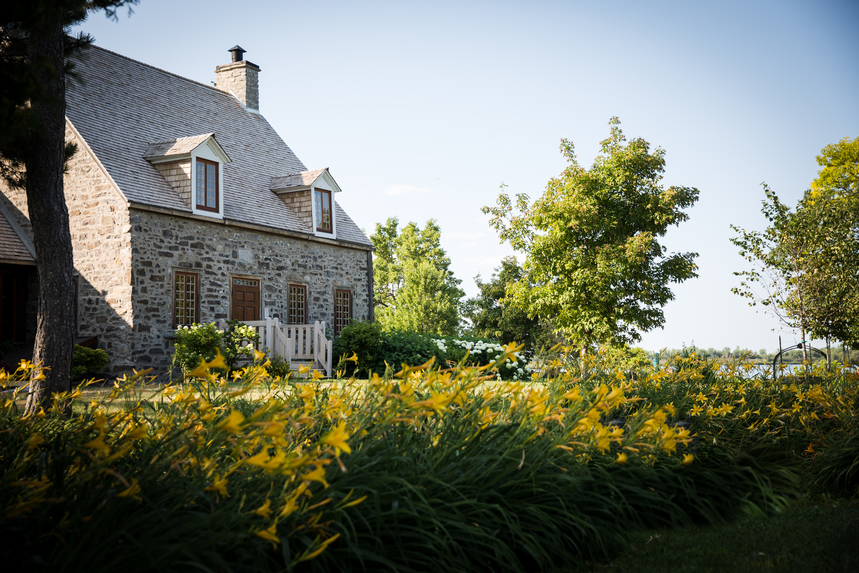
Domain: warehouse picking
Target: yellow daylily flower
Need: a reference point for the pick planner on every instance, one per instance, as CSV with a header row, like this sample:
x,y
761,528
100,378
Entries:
x,y
336,438
264,510
317,474
219,485
133,490
318,550
97,443
202,371
137,433
232,423
263,460
622,458
270,534
687,459
34,441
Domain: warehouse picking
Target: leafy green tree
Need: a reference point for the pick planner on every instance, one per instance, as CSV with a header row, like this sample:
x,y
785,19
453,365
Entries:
x,y
34,62
777,255
594,262
414,288
494,316
829,214
806,263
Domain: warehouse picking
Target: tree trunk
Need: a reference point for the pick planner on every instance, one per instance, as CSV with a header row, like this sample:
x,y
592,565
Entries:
x,y
44,158
804,345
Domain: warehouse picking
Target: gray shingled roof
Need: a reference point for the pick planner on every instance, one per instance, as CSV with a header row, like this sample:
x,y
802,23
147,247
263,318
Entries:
x,y
12,249
121,106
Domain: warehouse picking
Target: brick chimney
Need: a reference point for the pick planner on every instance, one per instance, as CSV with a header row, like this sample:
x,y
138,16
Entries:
x,y
240,78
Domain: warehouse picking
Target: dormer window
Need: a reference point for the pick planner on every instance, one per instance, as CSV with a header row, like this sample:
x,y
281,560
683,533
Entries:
x,y
207,185
193,167
322,207
310,195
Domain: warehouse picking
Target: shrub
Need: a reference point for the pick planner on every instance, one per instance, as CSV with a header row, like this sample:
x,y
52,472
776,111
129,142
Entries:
x,y
279,367
399,347
377,350
196,342
238,340
479,352
88,362
203,341
362,338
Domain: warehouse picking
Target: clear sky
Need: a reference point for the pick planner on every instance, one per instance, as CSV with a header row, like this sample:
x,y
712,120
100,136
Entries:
x,y
422,109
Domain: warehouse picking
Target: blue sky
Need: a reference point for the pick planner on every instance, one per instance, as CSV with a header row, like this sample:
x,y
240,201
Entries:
x,y
421,110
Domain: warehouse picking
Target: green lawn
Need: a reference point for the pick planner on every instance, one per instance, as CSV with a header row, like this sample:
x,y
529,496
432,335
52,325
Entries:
x,y
811,536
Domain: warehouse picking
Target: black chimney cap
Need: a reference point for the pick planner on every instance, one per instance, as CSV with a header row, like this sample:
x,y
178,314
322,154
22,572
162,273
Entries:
x,y
237,52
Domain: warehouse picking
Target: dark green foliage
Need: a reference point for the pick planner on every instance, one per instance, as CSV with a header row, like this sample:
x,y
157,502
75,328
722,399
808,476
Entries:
x,y
87,362
494,317
365,340
279,367
479,501
400,348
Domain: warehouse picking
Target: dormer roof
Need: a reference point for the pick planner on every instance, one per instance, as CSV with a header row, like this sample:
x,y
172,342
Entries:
x,y
182,148
303,180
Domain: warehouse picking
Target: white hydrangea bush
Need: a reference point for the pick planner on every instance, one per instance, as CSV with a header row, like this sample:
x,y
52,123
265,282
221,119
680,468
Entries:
x,y
483,352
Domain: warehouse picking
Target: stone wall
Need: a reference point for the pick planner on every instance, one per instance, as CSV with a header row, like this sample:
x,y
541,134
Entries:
x,y
163,244
178,175
100,231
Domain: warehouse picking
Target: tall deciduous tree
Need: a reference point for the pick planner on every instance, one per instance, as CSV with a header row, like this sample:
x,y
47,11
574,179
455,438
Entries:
x,y
807,262
34,51
413,286
495,316
831,209
594,262
777,255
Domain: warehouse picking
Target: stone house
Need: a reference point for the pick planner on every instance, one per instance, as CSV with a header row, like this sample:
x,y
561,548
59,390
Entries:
x,y
185,206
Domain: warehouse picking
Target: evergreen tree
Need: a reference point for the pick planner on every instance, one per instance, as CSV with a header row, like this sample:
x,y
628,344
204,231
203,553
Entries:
x,y
34,62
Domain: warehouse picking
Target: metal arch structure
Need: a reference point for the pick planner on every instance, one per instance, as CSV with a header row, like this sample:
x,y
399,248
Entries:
x,y
795,347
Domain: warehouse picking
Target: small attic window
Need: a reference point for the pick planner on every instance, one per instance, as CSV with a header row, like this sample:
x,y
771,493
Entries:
x,y
207,190
322,210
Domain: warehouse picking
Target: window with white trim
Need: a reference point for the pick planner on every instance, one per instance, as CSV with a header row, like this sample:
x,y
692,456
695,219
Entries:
x,y
322,211
207,190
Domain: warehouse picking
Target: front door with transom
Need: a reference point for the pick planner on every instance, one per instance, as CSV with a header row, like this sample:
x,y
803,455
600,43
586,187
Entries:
x,y
245,299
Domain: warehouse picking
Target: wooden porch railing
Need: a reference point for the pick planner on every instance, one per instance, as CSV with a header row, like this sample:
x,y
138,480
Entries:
x,y
300,344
